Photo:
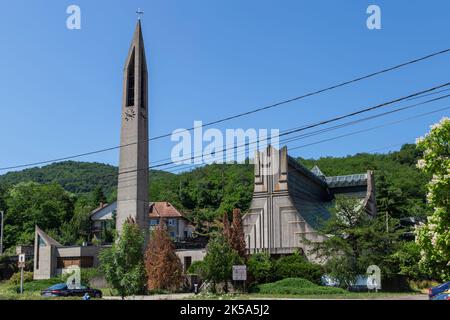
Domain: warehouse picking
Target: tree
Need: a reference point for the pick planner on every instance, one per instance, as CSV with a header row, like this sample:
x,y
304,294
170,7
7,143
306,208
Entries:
x,y
164,269
98,197
434,236
407,258
123,264
30,204
354,241
78,229
219,261
226,227
237,238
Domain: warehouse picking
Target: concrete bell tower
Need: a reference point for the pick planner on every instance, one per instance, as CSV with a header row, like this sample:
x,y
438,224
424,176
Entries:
x,y
132,191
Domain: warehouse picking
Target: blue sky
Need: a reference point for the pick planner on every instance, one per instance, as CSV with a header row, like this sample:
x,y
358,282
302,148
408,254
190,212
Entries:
x,y
61,89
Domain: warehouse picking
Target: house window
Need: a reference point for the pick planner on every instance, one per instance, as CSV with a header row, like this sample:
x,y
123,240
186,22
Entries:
x,y
172,222
173,234
154,222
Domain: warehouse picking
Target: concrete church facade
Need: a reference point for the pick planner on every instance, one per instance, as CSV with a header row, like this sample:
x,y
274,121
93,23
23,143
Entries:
x,y
289,202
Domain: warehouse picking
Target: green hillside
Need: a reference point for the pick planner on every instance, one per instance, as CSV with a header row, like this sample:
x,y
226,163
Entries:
x,y
67,191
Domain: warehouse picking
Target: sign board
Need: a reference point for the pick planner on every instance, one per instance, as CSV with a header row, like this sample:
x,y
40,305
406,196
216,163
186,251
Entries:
x,y
240,273
21,260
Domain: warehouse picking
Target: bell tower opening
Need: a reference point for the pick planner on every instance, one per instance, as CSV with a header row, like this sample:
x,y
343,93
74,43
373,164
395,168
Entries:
x,y
130,81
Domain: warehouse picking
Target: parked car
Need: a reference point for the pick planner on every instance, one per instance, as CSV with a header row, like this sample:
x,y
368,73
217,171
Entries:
x,y
440,289
61,290
442,296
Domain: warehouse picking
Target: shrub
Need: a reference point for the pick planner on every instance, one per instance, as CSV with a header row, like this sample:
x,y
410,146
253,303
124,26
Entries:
x,y
296,286
15,278
86,275
296,266
198,268
260,267
219,262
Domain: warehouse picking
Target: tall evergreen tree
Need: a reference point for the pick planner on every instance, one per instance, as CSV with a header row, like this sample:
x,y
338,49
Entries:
x,y
237,238
164,269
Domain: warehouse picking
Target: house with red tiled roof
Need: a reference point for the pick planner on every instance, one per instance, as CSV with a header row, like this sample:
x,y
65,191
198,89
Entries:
x,y
178,226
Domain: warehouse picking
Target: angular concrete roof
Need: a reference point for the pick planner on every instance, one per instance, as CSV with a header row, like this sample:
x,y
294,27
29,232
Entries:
x,y
49,240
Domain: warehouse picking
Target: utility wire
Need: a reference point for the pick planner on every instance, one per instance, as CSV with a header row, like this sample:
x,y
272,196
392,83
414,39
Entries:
x,y
384,104
445,51
369,129
325,129
320,131
345,135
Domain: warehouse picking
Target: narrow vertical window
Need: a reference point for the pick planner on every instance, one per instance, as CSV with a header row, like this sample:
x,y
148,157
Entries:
x,y
143,83
130,81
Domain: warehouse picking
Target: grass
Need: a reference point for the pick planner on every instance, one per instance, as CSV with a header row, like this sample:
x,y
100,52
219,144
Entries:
x,y
257,296
297,286
31,290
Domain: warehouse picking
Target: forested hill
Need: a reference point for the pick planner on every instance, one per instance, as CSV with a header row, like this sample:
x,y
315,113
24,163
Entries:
x,y
75,177
399,184
60,196
211,189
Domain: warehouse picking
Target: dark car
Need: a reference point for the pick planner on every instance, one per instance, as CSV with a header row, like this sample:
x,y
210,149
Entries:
x,y
61,290
440,289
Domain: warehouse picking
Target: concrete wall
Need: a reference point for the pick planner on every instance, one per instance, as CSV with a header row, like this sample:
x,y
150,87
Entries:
x,y
273,223
195,254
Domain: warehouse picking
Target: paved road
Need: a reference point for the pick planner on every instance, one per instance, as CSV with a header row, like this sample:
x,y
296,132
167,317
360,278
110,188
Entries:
x,y
175,296
180,296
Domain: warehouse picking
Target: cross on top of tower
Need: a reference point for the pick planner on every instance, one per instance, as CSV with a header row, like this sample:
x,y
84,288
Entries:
x,y
139,13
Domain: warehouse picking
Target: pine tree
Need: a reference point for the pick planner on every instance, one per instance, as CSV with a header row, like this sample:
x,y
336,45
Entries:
x,y
163,266
237,239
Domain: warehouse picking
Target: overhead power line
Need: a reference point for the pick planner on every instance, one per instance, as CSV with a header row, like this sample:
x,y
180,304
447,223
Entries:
x,y
271,106
369,129
337,137
325,130
342,84
320,123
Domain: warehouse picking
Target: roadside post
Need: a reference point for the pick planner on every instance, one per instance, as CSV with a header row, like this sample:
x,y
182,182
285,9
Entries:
x,y
240,274
21,263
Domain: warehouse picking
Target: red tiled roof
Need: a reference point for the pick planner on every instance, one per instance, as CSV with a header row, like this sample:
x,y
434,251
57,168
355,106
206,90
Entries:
x,y
163,209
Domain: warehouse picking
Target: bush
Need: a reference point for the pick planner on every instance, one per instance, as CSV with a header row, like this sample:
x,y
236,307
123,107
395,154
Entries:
x,y
296,286
86,275
260,268
198,268
296,266
15,278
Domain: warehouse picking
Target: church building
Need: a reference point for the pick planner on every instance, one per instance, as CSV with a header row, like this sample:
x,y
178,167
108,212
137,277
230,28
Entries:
x,y
290,202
